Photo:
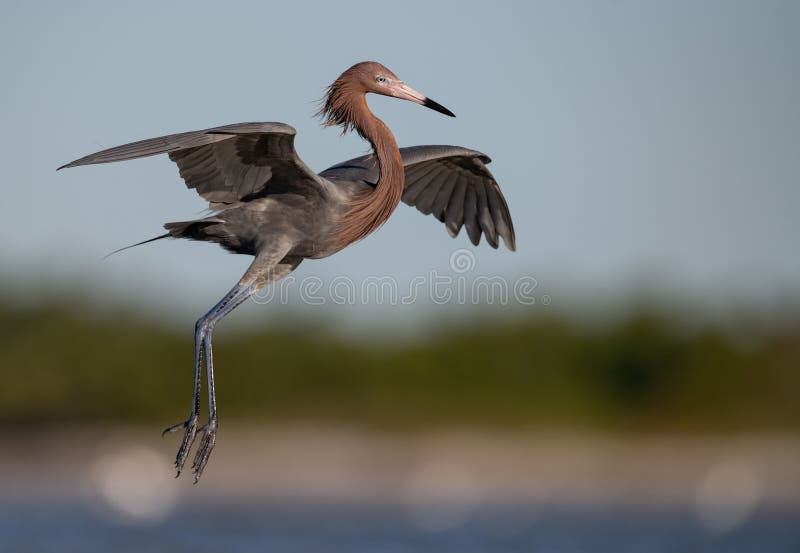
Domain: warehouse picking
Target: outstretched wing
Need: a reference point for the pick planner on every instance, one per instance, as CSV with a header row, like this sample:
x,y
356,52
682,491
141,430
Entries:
x,y
450,182
224,164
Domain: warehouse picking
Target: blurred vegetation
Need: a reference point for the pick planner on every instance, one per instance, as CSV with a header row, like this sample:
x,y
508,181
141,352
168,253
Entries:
x,y
642,371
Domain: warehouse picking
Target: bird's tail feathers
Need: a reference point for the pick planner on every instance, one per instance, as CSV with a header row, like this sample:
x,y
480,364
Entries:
x,y
137,244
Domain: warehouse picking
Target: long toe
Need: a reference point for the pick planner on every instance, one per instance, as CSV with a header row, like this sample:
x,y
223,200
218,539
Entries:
x,y
204,451
189,435
174,428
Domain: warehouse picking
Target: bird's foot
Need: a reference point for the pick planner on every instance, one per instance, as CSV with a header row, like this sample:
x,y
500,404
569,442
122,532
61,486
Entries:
x,y
209,431
189,428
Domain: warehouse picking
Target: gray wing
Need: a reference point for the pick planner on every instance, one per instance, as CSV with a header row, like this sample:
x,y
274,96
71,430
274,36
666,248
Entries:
x,y
224,164
450,182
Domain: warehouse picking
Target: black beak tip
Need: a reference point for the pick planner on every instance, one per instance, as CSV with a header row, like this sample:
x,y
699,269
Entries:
x,y
437,107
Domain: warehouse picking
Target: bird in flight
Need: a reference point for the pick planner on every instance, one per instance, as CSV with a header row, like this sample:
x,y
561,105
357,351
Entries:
x,y
267,203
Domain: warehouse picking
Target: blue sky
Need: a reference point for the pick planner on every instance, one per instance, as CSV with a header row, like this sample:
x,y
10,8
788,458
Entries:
x,y
637,143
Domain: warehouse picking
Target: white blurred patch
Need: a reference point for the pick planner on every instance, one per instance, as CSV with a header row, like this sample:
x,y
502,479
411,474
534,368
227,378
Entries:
x,y
133,485
440,496
727,496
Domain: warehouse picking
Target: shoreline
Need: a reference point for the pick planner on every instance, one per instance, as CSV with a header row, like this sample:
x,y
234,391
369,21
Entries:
x,y
346,464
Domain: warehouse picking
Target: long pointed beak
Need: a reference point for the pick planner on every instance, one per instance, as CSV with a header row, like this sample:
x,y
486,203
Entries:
x,y
407,93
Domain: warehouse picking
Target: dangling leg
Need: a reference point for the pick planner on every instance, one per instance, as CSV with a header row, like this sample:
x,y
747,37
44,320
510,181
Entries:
x,y
200,331
209,429
269,266
260,274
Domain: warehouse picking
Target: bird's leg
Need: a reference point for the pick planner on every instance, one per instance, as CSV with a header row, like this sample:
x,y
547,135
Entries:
x,y
189,426
209,430
268,267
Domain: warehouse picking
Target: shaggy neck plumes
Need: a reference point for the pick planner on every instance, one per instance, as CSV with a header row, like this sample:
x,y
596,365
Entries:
x,y
346,105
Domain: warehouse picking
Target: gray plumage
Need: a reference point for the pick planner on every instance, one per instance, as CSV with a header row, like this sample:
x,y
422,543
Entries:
x,y
247,162
437,178
267,203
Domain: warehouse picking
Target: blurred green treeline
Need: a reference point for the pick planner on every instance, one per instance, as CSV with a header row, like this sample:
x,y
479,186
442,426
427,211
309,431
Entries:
x,y
643,371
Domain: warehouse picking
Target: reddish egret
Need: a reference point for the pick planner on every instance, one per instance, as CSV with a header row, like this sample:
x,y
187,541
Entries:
x,y
267,203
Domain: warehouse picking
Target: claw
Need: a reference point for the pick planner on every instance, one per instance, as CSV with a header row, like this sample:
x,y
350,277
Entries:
x,y
175,428
209,431
189,435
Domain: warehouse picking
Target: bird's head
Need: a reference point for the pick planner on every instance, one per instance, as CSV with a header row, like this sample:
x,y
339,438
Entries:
x,y
340,103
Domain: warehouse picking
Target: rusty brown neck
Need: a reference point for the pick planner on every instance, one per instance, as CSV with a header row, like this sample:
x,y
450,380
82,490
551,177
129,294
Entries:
x,y
367,212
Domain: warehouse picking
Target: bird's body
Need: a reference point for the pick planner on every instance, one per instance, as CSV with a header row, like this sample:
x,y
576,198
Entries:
x,y
267,203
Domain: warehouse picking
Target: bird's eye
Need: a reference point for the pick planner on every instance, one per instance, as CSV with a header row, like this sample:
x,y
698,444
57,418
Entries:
x,y
380,79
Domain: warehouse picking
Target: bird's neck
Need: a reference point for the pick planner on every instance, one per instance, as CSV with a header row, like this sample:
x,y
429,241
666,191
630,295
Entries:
x,y
365,213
